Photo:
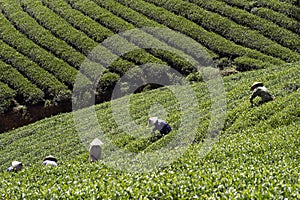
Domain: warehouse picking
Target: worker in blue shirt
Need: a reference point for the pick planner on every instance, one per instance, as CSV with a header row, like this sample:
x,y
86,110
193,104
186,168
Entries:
x,y
160,125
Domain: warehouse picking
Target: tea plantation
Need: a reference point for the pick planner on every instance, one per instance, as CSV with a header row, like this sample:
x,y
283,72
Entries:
x,y
223,147
44,42
256,155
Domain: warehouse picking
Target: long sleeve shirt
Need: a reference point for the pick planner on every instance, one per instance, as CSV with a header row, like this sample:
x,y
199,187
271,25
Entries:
x,y
159,125
263,93
49,162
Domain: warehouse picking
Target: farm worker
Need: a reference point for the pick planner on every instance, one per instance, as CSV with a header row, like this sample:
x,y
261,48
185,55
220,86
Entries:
x,y
258,89
50,160
15,166
162,126
95,150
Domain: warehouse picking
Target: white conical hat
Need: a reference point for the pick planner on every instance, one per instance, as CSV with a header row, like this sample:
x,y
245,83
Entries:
x,y
50,157
96,142
152,121
15,163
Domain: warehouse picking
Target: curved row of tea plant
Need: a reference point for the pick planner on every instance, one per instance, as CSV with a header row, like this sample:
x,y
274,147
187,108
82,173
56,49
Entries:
x,y
245,63
101,15
58,45
142,58
6,95
211,40
24,88
257,145
140,21
41,36
77,38
285,8
64,72
63,30
176,62
48,19
229,29
69,36
158,36
78,20
95,30
278,18
288,9
134,17
90,27
272,31
33,72
96,13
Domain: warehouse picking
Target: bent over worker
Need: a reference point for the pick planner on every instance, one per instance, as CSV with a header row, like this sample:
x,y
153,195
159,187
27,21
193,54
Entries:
x,y
162,126
96,150
15,166
258,89
50,160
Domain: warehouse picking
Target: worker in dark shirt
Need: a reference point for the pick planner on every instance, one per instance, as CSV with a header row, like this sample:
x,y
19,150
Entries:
x,y
160,125
258,89
50,160
15,166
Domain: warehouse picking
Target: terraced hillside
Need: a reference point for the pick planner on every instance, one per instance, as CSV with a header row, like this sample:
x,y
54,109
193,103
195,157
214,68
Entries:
x,y
256,155
44,43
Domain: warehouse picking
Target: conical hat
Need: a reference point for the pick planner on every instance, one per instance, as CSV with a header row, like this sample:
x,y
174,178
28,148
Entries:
x,y
96,142
256,84
152,121
15,163
50,157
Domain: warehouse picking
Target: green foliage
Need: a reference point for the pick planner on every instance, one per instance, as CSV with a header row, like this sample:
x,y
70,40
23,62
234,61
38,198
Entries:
x,y
233,31
97,32
278,18
245,64
101,15
106,85
194,77
40,77
285,8
47,41
67,46
63,30
6,95
108,80
76,38
256,157
64,72
44,43
210,40
28,92
288,9
80,21
265,27
163,39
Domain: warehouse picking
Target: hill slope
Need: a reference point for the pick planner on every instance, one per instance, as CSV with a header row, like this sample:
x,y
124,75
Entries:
x,y
256,156
45,42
